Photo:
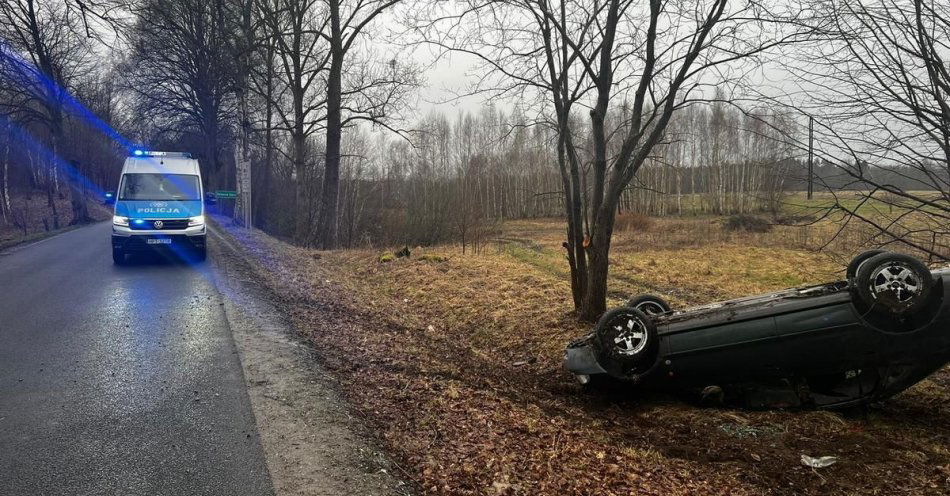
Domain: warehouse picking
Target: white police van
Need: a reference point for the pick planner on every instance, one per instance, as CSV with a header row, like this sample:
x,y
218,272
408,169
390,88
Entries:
x,y
159,205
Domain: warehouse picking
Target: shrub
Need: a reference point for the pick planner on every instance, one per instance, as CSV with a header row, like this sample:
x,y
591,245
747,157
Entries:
x,y
429,257
387,257
792,220
747,223
632,221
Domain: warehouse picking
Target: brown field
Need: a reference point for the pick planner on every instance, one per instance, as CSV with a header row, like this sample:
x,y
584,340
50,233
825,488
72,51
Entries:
x,y
456,362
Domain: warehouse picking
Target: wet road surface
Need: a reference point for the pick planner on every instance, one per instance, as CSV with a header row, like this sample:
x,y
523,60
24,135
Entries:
x,y
119,380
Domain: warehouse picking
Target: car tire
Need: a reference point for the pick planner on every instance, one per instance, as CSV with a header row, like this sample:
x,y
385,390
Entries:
x,y
649,304
894,283
626,342
852,270
201,254
118,257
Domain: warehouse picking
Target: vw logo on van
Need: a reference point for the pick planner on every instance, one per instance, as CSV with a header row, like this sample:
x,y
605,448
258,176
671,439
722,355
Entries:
x,y
158,224
158,204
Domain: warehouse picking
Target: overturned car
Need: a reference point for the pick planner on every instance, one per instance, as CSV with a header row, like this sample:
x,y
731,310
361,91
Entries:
x,y
834,345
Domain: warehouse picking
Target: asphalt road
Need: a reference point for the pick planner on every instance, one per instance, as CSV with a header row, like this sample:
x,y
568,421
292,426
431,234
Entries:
x,y
119,380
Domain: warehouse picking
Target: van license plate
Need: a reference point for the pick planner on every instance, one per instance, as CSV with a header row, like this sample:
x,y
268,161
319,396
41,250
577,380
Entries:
x,y
158,241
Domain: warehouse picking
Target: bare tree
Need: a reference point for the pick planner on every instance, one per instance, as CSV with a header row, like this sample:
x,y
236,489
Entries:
x,y
877,82
181,72
44,50
262,83
590,54
245,41
293,33
359,88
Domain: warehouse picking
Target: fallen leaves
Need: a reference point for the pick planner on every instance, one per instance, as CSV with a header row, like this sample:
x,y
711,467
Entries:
x,y
456,364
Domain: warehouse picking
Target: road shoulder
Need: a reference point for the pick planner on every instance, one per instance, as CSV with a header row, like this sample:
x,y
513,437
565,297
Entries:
x,y
313,443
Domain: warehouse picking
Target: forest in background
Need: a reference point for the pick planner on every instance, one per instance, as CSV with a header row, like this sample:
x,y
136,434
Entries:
x,y
325,120
455,176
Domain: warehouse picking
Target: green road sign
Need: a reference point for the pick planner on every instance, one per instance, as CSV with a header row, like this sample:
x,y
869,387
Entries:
x,y
226,194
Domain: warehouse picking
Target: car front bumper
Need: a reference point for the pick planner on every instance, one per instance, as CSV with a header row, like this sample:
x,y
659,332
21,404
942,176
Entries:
x,y
580,358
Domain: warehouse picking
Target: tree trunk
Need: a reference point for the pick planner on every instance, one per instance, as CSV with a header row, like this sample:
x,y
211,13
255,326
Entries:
x,y
35,174
77,196
5,177
327,225
51,183
242,153
212,179
263,196
576,255
4,174
595,301
301,209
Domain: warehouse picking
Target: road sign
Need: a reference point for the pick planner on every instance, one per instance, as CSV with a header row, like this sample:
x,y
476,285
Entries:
x,y
225,194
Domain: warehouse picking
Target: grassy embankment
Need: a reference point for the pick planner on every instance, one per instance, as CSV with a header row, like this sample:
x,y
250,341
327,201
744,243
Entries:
x,y
456,362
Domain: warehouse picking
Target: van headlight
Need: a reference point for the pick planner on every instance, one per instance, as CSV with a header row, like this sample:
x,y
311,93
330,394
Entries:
x,y
197,220
118,220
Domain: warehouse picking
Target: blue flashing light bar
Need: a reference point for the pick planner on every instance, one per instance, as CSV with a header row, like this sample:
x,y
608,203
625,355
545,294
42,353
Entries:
x,y
148,153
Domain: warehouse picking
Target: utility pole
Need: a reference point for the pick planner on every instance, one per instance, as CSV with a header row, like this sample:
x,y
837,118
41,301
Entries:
x,y
811,156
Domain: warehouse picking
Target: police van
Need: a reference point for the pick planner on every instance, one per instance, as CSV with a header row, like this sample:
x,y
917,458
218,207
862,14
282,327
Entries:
x,y
159,205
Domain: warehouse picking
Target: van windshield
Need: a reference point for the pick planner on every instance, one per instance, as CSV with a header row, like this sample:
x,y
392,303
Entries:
x,y
160,187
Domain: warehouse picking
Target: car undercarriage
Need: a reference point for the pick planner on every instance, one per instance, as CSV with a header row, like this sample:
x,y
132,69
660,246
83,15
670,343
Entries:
x,y
832,345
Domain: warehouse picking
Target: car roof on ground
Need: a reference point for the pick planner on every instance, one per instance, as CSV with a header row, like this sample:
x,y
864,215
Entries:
x,y
160,165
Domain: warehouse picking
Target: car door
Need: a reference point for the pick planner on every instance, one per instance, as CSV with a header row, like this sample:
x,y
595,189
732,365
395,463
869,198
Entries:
x,y
725,346
823,335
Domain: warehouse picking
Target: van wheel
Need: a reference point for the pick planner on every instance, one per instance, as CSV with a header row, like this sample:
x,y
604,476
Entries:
x,y
626,341
856,262
894,283
118,257
649,304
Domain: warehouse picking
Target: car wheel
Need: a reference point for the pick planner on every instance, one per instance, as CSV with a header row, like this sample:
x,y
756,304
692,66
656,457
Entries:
x,y
626,341
118,257
856,262
201,254
649,304
894,283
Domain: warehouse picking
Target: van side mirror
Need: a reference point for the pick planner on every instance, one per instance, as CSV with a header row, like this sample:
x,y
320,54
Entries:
x,y
211,198
108,198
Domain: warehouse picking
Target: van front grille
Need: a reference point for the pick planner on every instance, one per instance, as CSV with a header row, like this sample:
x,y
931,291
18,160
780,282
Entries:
x,y
166,224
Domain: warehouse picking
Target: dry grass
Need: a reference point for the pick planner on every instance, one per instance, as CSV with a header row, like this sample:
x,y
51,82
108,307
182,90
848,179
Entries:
x,y
456,360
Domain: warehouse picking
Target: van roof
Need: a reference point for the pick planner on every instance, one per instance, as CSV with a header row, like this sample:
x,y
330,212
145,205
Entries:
x,y
160,165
